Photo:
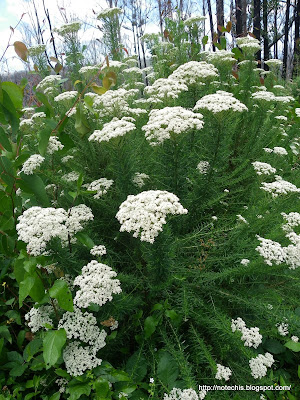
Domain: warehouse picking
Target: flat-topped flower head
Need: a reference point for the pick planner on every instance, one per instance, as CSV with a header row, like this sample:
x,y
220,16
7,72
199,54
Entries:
x,y
145,214
115,128
248,44
36,50
273,63
48,82
194,20
223,372
170,121
67,29
220,58
259,364
33,163
262,168
195,72
279,186
97,285
165,88
219,102
78,359
101,186
109,13
37,226
66,97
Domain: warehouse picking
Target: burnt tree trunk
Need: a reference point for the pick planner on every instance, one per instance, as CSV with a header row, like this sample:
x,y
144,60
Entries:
x,y
286,38
256,24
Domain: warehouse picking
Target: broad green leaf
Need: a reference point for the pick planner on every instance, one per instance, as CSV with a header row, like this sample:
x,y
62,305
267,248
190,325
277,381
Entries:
x,y
78,389
4,141
85,240
150,326
18,370
167,369
136,366
32,348
274,346
61,292
102,388
36,186
4,332
25,288
15,93
53,343
45,134
294,346
81,123
1,344
55,396
43,99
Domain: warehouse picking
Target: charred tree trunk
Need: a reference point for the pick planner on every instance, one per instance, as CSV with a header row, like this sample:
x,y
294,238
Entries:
x,y
265,32
256,24
211,23
275,31
297,38
220,16
286,38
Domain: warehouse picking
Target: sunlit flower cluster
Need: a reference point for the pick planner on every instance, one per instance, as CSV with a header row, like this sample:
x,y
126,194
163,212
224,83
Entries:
x,y
145,214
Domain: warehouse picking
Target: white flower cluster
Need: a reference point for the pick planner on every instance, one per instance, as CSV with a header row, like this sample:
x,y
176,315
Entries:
x,y
70,177
37,226
245,261
195,72
116,127
110,12
248,44
281,151
36,50
203,167
83,326
49,81
223,372
220,101
273,63
274,252
262,168
62,383
66,29
101,186
113,103
98,250
145,213
54,145
89,69
270,96
292,220
194,20
165,88
37,318
78,359
65,159
170,120
179,394
221,58
259,364
295,339
96,285
32,164
139,179
279,186
283,328
250,336
271,251
66,96
242,219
